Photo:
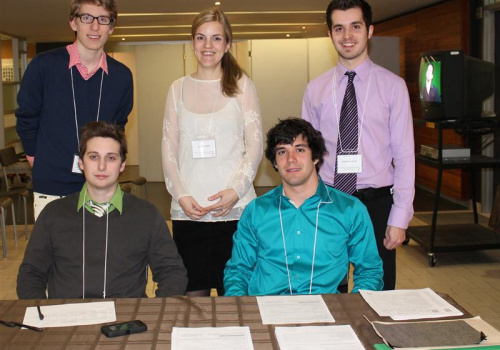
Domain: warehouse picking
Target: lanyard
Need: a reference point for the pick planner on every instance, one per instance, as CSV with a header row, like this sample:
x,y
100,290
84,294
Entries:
x,y
74,103
83,249
314,248
334,96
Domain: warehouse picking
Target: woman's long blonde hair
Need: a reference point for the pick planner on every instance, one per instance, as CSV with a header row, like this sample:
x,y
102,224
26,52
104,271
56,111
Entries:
x,y
231,70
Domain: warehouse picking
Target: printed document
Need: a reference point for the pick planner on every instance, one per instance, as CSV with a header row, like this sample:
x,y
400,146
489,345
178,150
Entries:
x,y
66,315
409,304
322,337
209,338
293,309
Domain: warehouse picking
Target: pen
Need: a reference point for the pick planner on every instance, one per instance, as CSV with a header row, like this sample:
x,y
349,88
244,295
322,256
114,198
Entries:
x,y
39,312
16,324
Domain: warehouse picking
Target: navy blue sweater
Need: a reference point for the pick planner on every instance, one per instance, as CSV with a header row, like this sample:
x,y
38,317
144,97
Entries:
x,y
46,117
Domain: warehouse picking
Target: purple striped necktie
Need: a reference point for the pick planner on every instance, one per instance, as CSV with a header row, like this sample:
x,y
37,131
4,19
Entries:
x,y
347,142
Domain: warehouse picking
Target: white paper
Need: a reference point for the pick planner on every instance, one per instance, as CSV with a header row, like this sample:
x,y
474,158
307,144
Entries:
x,y
349,164
66,315
204,149
208,338
321,338
409,304
293,309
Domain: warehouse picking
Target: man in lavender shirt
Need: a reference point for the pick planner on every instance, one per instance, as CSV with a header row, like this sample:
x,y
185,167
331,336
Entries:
x,y
386,172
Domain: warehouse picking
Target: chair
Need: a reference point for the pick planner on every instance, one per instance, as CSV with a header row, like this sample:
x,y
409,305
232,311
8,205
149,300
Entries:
x,y
126,188
494,221
10,166
5,202
138,181
26,195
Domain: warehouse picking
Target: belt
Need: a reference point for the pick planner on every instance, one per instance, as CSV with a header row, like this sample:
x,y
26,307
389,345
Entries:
x,y
367,194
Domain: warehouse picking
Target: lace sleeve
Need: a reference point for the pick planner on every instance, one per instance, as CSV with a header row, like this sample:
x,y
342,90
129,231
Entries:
x,y
245,173
170,144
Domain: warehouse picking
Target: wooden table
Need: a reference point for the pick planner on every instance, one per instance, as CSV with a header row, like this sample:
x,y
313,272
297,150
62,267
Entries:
x,y
162,314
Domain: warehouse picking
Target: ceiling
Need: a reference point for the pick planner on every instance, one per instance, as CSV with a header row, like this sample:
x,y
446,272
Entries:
x,y
167,20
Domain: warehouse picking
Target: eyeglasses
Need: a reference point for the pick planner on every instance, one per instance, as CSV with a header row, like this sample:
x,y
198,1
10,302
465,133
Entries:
x,y
89,19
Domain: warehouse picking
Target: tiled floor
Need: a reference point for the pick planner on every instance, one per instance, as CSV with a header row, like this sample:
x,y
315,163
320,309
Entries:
x,y
471,278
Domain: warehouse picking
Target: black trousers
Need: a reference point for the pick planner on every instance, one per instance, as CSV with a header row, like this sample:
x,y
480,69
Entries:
x,y
379,210
205,247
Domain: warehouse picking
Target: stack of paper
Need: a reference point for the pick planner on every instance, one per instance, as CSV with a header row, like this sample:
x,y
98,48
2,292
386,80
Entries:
x,y
67,315
312,338
409,304
292,309
212,338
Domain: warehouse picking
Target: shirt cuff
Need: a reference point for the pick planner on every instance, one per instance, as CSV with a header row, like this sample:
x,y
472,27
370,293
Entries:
x,y
399,217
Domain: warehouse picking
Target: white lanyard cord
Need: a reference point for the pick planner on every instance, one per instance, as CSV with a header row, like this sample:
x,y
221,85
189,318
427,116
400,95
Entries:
x,y
105,253
334,96
314,249
284,248
83,246
74,103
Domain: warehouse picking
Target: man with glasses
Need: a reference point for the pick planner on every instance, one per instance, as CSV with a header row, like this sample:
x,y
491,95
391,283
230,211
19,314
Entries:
x,y
64,89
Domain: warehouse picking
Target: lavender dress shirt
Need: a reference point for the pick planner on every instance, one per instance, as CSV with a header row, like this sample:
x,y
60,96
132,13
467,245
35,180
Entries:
x,y
385,125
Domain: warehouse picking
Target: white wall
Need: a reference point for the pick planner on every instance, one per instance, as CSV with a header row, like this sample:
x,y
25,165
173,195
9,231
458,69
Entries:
x,y
243,55
190,64
131,129
157,67
279,72
322,56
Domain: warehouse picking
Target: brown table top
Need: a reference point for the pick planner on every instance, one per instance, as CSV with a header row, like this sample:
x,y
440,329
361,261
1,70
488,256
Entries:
x,y
162,314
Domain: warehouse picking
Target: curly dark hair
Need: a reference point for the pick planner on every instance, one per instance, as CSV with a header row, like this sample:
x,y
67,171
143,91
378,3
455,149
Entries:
x,y
287,130
346,5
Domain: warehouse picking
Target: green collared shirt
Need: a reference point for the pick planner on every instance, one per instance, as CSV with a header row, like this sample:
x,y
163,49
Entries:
x,y
116,202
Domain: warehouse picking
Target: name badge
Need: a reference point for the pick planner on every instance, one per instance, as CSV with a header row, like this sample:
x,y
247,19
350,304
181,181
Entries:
x,y
349,163
204,149
75,169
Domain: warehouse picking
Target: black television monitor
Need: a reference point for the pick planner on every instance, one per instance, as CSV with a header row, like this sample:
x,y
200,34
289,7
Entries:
x,y
453,85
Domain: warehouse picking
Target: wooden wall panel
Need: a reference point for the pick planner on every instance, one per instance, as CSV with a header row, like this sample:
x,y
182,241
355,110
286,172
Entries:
x,y
442,27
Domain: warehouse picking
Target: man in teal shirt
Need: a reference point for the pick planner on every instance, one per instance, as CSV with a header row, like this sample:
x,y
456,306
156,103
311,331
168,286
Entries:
x,y
300,237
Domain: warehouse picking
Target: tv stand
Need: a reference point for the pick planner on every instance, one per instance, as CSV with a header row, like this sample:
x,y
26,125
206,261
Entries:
x,y
454,238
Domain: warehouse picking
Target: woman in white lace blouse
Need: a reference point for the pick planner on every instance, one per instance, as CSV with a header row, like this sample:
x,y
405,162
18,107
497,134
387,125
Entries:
x,y
211,149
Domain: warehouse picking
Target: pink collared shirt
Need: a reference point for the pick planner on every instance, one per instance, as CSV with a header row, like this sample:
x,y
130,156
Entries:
x,y
386,130
74,60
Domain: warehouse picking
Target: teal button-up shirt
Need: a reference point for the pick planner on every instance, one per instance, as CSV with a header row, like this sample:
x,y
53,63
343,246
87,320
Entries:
x,y
344,234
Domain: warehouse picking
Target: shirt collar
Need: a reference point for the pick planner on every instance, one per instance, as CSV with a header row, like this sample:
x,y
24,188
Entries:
x,y
362,71
115,202
321,192
74,60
